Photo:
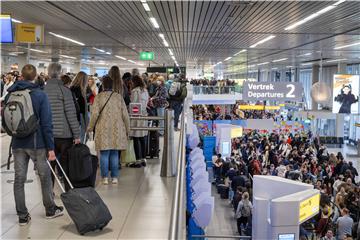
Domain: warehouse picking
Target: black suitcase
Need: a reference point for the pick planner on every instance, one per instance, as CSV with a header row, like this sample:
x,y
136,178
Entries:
x,y
91,180
84,206
80,162
223,191
152,145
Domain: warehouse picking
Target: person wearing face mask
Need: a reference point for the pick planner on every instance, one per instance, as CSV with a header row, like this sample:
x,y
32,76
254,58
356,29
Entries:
x,y
159,101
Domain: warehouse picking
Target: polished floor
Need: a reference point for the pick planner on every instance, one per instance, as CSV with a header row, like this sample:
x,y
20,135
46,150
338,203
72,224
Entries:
x,y
140,205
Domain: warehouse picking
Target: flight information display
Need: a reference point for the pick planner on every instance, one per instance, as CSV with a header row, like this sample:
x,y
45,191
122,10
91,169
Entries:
x,y
6,29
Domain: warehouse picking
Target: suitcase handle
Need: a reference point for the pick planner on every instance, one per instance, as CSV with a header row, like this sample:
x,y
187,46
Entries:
x,y
56,177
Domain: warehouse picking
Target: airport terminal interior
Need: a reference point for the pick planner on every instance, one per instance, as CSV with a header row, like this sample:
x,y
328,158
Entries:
x,y
180,120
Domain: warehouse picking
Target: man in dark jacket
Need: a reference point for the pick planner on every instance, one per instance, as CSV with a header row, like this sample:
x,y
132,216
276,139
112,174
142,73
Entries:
x,y
37,146
176,102
66,125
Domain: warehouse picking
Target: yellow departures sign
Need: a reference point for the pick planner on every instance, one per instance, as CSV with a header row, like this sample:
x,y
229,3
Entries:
x,y
29,33
309,208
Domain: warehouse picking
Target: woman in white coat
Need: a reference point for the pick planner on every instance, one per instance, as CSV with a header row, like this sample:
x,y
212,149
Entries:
x,y
140,95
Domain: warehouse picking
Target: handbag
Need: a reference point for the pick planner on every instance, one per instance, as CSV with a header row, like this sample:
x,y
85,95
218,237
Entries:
x,y
91,144
128,155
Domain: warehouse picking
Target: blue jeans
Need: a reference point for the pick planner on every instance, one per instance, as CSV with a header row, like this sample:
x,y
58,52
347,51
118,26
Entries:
x,y
112,157
21,162
177,107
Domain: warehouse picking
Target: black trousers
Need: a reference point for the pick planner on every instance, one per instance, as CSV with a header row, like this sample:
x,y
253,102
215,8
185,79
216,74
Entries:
x,y
140,147
62,146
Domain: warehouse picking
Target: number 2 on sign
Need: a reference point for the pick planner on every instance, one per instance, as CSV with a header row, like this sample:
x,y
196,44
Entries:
x,y
290,94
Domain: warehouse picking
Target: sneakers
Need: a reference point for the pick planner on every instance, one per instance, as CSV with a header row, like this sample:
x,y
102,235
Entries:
x,y
24,221
143,162
105,181
114,181
57,212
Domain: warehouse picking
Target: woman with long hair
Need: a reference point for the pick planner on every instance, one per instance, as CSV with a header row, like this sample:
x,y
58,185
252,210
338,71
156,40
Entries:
x,y
139,95
118,84
78,87
91,91
159,100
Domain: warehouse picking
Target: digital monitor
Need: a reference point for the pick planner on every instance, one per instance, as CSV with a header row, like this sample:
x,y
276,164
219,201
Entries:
x,y
346,94
287,236
6,29
225,148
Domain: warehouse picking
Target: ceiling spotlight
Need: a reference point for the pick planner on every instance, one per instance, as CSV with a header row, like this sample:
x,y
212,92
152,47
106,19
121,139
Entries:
x,y
154,22
227,59
108,53
162,36
36,50
66,38
15,20
120,57
132,61
244,50
66,56
264,63
166,44
171,52
280,60
98,49
262,41
146,7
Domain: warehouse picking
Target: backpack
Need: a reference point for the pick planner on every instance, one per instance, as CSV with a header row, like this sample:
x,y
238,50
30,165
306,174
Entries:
x,y
175,89
245,210
18,117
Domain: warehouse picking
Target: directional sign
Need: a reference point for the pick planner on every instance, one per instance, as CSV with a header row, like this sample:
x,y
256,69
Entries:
x,y
29,33
135,109
276,91
147,56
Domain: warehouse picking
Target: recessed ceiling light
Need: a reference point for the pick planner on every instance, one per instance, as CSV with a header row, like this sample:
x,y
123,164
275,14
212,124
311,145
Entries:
x,y
171,52
307,64
314,15
274,68
346,46
264,63
146,7
218,63
36,50
305,54
244,50
108,53
140,64
66,56
227,59
280,60
173,58
166,44
336,60
98,49
154,22
120,57
15,53
289,66
132,61
162,36
143,1
15,20
262,41
66,38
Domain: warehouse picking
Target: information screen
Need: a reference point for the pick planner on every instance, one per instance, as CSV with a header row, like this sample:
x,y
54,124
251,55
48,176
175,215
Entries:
x,y
6,29
287,236
309,207
346,94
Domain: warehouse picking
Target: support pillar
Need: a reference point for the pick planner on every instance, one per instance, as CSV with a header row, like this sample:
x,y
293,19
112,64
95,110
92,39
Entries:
x,y
342,68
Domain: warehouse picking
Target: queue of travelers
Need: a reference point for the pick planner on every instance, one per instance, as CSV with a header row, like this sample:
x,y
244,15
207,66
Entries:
x,y
66,108
297,157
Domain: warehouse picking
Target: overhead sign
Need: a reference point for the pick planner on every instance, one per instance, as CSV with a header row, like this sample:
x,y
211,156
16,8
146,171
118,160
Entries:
x,y
309,207
346,94
147,56
135,109
236,132
275,91
29,33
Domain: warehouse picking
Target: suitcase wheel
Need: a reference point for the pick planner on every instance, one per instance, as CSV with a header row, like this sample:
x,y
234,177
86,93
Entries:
x,y
101,228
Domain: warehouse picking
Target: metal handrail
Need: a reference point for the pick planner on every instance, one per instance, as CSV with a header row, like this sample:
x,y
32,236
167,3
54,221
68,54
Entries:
x,y
221,236
177,212
154,118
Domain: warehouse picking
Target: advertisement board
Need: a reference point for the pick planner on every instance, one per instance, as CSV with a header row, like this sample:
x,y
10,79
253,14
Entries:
x,y
275,91
346,94
309,207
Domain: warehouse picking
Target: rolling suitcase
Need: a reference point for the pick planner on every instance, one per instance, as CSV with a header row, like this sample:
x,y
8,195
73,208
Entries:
x,y
152,145
91,180
84,206
80,162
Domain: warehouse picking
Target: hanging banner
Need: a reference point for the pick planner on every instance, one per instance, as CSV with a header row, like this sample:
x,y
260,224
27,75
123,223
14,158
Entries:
x,y
275,91
346,94
29,33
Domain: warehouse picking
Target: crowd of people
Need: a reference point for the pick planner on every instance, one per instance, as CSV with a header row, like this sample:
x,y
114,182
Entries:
x,y
211,112
67,107
213,86
299,158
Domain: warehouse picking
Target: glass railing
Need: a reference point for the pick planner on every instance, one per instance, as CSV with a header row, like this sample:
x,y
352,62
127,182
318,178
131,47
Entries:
x,y
197,90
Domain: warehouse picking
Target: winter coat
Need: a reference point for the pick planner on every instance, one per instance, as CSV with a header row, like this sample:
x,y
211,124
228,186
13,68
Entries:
x,y
63,110
159,99
141,96
113,125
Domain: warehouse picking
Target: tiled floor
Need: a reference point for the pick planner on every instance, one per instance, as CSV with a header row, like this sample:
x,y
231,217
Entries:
x,y
140,205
